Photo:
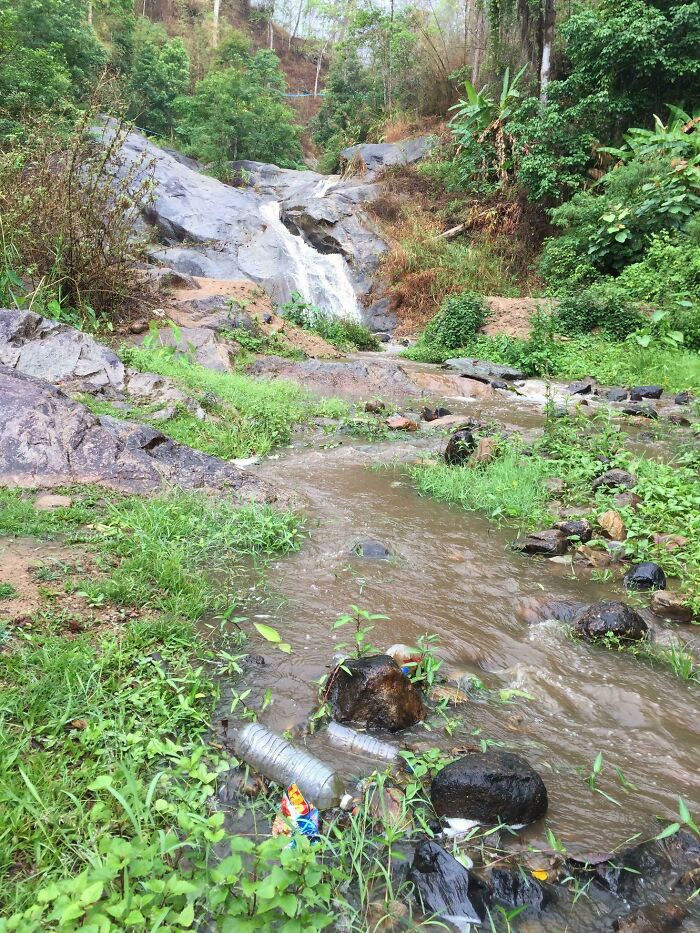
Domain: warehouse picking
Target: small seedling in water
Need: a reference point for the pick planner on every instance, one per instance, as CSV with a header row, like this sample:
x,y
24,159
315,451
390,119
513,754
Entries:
x,y
593,777
361,644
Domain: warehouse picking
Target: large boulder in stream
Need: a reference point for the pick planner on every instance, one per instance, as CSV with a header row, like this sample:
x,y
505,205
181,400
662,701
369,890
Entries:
x,y
552,542
374,692
441,885
490,787
286,230
47,439
460,447
610,618
483,371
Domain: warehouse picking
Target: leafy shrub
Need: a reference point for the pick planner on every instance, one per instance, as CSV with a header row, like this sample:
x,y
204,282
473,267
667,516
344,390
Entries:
x,y
605,307
456,323
69,206
341,333
564,265
159,75
238,112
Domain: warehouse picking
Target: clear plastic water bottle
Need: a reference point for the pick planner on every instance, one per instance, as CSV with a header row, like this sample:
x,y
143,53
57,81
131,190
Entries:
x,y
360,742
285,764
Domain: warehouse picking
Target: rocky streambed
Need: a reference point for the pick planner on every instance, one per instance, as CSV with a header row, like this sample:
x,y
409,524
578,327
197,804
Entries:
x,y
513,681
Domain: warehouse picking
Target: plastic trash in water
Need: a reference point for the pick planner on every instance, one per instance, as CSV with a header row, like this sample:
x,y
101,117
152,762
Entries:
x,y
285,764
296,813
355,741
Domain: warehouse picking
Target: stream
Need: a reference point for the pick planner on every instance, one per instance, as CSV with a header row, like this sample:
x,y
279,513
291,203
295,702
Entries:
x,y
453,574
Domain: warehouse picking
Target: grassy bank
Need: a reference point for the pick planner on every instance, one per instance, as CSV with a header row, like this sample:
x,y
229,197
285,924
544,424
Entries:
x,y
620,363
576,450
247,416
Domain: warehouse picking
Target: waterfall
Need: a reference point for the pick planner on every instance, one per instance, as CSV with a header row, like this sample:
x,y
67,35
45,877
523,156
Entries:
x,y
321,278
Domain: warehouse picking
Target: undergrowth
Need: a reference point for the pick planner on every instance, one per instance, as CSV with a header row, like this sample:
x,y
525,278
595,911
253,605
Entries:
x,y
510,487
176,553
341,333
249,416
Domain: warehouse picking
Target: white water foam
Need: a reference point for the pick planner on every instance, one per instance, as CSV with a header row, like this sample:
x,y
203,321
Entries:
x,y
321,278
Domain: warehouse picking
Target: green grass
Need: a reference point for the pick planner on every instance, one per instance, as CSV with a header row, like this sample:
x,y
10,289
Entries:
x,y
175,553
510,487
609,362
7,591
249,416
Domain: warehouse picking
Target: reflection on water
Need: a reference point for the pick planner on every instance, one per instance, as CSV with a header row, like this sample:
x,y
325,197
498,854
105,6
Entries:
x,y
454,575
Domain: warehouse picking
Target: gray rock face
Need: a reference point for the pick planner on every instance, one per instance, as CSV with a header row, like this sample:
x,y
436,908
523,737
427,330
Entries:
x,y
290,231
378,156
198,344
483,370
47,439
55,352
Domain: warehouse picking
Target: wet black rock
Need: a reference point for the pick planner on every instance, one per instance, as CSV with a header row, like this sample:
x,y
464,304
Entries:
x,y
482,370
374,406
645,576
582,387
372,550
552,542
431,414
441,884
613,478
510,887
373,691
683,398
640,411
611,617
267,318
576,528
460,447
656,918
639,392
489,787
616,395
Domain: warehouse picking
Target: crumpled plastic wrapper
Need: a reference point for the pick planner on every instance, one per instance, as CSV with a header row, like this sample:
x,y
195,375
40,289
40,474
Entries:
x,y
296,813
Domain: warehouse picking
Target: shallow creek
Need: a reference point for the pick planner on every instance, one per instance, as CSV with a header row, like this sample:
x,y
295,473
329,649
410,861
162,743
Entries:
x,y
454,575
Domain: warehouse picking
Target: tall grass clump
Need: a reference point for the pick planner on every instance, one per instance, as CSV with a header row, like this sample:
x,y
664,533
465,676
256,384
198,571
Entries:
x,y
69,205
511,486
175,553
342,333
250,416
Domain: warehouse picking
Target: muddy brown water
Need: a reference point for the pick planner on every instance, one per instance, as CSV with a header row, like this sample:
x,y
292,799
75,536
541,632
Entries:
x,y
453,574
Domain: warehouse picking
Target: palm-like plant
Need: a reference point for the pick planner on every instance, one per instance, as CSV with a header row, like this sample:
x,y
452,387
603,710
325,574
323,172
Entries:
x,y
480,117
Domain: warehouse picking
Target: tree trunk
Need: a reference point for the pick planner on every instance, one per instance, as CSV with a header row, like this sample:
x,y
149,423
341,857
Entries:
x,y
89,12
215,31
479,36
548,20
319,63
293,33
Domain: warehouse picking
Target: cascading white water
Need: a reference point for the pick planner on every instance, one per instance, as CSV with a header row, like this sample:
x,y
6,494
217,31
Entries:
x,y
321,278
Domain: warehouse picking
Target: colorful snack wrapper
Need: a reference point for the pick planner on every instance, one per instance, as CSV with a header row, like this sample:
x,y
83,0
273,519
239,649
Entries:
x,y
298,813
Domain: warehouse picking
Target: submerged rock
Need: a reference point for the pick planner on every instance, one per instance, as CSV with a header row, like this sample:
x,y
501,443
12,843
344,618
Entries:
x,y
373,691
460,447
508,886
372,550
616,395
441,885
640,411
490,787
637,393
576,528
582,387
483,371
613,478
611,617
656,918
645,576
533,609
549,543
